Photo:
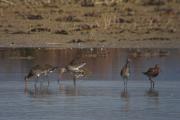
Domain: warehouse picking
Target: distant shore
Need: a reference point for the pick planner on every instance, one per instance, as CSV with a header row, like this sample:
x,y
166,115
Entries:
x,y
112,44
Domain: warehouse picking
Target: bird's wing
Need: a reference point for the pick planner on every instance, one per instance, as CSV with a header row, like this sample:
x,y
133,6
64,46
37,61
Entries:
x,y
47,66
36,67
122,71
150,71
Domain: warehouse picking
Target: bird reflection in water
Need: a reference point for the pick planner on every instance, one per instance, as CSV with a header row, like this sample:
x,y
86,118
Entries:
x,y
124,93
152,92
68,90
153,97
39,91
125,96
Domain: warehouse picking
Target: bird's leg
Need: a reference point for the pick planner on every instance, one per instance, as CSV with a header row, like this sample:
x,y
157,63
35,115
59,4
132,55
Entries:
x,y
153,83
41,84
150,82
124,89
58,81
48,83
126,84
35,83
74,80
60,77
48,80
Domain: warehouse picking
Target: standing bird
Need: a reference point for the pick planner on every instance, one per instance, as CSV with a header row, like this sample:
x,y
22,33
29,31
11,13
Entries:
x,y
75,70
38,71
125,72
151,73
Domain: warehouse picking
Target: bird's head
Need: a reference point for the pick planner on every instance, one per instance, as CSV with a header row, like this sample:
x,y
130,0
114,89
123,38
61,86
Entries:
x,y
157,66
128,60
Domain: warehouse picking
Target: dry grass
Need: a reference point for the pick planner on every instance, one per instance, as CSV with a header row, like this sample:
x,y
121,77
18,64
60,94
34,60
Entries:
x,y
106,21
100,22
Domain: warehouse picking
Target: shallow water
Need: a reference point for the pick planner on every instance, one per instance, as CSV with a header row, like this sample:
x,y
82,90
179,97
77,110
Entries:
x,y
99,96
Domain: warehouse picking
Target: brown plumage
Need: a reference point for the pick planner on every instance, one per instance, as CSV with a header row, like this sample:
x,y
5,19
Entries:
x,y
151,73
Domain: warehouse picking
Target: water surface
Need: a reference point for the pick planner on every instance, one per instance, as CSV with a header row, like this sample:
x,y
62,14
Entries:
x,y
99,96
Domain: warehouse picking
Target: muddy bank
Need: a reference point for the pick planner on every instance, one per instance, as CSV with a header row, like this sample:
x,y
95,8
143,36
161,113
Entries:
x,y
62,25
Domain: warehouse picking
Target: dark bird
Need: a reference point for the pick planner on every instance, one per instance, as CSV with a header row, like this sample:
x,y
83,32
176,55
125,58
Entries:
x,y
125,72
152,73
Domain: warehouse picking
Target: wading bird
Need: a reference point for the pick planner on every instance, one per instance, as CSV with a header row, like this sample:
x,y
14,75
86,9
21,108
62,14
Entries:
x,y
152,73
125,72
35,72
39,71
47,69
75,70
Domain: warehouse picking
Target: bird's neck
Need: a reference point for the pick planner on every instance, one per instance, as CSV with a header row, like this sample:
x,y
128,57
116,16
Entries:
x,y
127,64
158,69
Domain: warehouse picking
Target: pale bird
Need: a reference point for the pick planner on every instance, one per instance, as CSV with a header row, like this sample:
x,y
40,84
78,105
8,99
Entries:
x,y
125,72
